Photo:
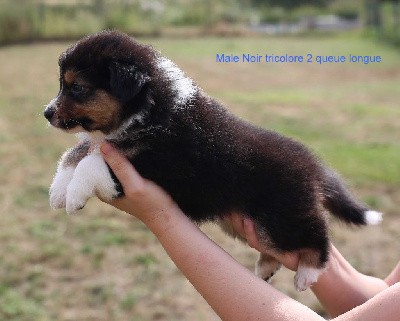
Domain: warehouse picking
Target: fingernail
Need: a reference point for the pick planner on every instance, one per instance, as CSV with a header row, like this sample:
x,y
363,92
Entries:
x,y
106,148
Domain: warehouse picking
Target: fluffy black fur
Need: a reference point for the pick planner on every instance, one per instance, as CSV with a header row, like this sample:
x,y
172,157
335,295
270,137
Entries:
x,y
210,161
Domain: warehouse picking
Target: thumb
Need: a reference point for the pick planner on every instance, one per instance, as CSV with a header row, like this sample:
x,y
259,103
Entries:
x,y
122,167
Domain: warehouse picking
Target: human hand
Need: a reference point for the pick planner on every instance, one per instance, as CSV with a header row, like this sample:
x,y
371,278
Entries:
x,y
143,198
246,229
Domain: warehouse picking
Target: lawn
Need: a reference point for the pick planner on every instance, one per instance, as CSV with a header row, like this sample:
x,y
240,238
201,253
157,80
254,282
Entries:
x,y
104,265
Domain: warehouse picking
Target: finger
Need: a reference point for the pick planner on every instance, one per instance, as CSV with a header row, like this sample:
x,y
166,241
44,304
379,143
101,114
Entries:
x,y
236,221
117,202
251,235
289,259
122,167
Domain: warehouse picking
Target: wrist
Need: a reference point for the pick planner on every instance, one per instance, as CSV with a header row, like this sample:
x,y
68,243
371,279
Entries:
x,y
162,221
341,287
337,271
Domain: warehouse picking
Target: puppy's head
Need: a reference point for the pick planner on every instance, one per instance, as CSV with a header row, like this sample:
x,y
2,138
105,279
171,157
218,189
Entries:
x,y
103,80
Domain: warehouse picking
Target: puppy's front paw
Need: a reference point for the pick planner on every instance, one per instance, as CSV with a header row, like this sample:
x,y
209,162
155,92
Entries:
x,y
57,199
76,198
73,207
58,189
91,177
306,276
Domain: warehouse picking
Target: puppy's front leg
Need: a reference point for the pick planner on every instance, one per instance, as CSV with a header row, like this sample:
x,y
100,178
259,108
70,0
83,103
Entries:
x,y
64,173
91,177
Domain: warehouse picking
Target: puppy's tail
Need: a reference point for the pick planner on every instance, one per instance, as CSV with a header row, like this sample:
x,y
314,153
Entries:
x,y
341,203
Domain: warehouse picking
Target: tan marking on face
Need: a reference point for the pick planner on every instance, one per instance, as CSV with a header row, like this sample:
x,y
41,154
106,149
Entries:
x,y
101,108
104,110
70,76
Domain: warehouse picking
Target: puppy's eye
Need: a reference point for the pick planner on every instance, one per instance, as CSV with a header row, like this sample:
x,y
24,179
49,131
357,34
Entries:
x,y
77,89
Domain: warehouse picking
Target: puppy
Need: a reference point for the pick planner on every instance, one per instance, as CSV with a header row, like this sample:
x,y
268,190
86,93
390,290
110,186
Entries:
x,y
211,162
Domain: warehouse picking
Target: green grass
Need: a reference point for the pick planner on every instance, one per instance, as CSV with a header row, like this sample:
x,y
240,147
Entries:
x,y
102,265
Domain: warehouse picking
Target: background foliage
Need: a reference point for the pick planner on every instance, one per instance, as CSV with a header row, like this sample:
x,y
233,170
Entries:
x,y
26,20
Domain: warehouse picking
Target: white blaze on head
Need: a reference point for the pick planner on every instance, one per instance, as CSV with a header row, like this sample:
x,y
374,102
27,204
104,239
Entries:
x,y
182,85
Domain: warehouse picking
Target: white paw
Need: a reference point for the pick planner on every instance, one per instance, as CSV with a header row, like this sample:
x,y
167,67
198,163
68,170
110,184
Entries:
x,y
305,277
91,177
57,199
58,189
76,198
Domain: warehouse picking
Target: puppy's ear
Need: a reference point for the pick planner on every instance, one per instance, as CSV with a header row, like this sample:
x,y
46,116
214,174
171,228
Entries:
x,y
125,80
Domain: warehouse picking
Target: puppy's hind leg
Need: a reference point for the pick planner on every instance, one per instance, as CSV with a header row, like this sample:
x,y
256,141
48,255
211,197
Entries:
x,y
266,266
311,266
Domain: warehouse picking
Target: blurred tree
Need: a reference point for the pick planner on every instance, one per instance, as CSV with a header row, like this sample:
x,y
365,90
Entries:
x,y
99,7
396,14
290,4
374,14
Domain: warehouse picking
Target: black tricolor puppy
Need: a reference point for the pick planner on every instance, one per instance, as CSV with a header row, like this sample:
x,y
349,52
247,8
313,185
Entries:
x,y
211,162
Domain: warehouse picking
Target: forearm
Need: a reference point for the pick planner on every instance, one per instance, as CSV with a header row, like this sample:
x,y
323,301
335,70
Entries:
x,y
384,306
236,294
394,276
231,290
341,287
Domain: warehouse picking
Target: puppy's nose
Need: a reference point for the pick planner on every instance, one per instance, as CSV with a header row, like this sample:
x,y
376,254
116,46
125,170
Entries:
x,y
49,113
